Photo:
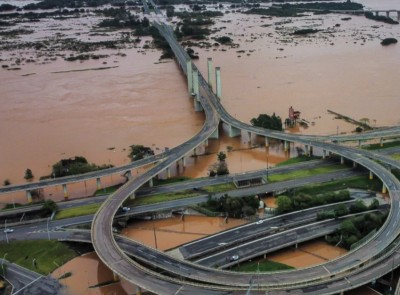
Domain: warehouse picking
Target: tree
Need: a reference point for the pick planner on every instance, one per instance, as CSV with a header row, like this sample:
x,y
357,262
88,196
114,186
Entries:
x,y
139,152
221,156
28,174
374,204
341,210
49,206
273,122
6,182
284,204
358,206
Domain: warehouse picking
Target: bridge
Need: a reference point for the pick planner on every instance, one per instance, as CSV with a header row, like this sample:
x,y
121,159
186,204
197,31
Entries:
x,y
362,265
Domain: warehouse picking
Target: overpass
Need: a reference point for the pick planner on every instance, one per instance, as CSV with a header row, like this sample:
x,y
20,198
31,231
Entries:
x,y
358,267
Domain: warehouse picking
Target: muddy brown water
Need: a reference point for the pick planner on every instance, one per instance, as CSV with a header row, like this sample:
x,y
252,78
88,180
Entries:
x,y
46,116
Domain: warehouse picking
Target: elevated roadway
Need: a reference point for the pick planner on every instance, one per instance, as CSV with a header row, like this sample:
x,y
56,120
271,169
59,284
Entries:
x,y
357,267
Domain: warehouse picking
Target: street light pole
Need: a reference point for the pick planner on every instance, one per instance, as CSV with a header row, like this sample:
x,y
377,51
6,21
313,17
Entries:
x,y
267,167
48,232
5,230
2,264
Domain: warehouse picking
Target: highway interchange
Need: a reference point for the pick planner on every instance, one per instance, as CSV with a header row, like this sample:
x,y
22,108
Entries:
x,y
358,267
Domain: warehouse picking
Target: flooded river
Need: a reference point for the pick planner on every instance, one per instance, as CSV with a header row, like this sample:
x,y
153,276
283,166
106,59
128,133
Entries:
x,y
48,116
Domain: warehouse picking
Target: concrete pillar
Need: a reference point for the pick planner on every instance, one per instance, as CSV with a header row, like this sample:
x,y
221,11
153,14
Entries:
x,y
210,73
307,150
341,160
376,13
233,131
194,152
29,196
249,135
218,82
311,151
132,196
64,186
398,15
189,76
384,190
323,154
183,162
138,291
215,134
387,13
151,184
354,164
296,246
381,141
266,141
206,142
168,172
196,84
359,144
285,146
128,174
115,277
197,105
98,183
371,175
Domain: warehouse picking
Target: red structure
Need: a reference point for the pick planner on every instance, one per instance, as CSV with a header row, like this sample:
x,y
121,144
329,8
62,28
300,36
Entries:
x,y
293,115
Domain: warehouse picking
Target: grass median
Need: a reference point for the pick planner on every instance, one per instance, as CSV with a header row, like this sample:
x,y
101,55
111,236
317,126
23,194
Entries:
x,y
40,256
262,266
160,198
77,211
304,173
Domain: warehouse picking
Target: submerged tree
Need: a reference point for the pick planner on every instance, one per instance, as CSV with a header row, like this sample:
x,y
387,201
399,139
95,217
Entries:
x,y
28,174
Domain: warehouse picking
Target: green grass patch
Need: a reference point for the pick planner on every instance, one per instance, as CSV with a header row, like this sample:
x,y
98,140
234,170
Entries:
x,y
377,146
396,157
262,266
107,190
161,198
47,254
77,211
296,160
170,180
357,182
219,188
304,173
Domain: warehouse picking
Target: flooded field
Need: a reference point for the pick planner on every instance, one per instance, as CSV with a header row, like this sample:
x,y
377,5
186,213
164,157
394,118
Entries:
x,y
172,232
87,271
61,115
307,254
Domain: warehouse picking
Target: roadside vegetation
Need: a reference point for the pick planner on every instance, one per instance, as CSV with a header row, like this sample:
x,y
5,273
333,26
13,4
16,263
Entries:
x,y
298,159
273,122
342,210
261,266
77,211
304,173
138,152
107,190
159,198
301,201
233,207
354,229
377,146
40,256
74,166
